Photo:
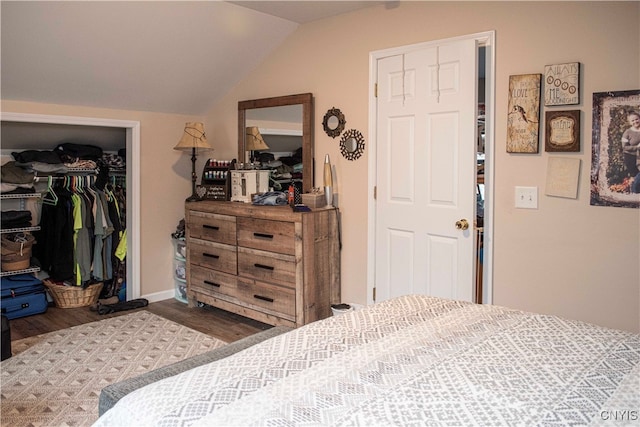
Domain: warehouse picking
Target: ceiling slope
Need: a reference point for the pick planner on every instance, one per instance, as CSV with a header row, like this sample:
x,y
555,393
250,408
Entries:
x,y
173,57
162,56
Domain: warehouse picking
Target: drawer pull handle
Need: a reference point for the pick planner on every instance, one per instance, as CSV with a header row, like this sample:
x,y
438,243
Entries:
x,y
217,285
263,298
263,235
210,255
211,227
266,267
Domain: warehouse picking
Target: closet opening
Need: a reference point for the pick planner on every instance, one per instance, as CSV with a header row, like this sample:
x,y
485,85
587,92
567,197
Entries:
x,y
21,132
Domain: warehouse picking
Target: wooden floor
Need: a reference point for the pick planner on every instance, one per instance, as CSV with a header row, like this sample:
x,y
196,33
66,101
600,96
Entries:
x,y
218,323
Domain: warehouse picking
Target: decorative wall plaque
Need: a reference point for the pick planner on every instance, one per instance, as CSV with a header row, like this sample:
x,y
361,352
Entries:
x,y
562,177
524,113
562,84
562,131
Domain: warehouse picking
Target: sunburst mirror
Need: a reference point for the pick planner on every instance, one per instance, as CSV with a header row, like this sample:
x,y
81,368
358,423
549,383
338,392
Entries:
x,y
352,144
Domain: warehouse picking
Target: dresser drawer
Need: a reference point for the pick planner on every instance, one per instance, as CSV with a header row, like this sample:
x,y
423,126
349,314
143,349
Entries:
x,y
213,255
278,300
213,282
267,266
214,227
267,235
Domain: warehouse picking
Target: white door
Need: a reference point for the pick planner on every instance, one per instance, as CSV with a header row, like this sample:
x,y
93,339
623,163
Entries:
x,y
425,171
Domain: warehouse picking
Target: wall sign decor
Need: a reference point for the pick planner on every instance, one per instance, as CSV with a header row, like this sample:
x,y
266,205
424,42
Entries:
x,y
524,112
333,122
562,84
615,178
562,131
562,177
352,144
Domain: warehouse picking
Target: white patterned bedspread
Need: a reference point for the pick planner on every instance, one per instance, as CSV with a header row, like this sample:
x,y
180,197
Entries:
x,y
413,360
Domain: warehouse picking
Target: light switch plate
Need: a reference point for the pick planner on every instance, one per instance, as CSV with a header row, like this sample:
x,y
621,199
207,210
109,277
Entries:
x,y
527,197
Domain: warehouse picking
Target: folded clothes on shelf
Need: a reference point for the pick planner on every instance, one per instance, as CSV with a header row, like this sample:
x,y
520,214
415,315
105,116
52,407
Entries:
x,y
15,219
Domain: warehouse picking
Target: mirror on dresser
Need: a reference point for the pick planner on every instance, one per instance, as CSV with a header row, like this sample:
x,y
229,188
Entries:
x,y
285,124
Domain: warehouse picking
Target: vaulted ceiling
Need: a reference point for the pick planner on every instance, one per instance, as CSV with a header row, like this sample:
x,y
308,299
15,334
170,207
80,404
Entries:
x,y
161,56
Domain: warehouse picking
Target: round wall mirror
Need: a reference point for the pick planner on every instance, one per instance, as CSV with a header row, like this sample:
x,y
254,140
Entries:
x,y
352,144
333,122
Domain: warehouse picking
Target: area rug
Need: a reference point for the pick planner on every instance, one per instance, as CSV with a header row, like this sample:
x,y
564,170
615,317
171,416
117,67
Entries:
x,y
55,379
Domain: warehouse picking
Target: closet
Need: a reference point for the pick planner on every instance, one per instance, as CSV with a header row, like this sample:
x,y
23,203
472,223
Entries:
x,y
22,132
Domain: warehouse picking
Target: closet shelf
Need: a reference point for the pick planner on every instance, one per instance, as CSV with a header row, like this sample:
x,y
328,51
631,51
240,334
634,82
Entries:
x,y
20,196
70,171
23,271
19,230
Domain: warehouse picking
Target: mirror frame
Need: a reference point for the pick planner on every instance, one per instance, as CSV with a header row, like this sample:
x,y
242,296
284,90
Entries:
x,y
334,112
306,99
359,148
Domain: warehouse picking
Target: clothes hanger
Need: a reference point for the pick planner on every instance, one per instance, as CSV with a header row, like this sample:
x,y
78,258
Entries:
x,y
90,186
50,197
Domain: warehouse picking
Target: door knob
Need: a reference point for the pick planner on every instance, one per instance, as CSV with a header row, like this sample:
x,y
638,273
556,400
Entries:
x,y
462,224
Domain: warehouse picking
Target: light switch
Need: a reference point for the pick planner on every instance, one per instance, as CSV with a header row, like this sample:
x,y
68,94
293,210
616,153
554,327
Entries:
x,y
527,197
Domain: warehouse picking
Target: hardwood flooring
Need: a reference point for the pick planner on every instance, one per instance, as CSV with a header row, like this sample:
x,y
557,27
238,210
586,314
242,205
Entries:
x,y
217,323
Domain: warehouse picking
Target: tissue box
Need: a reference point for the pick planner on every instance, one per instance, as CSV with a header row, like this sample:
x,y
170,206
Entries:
x,y
314,200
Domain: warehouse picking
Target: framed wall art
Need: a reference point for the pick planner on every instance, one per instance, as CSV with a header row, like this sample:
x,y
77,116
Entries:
x,y
562,177
615,174
562,131
562,84
524,112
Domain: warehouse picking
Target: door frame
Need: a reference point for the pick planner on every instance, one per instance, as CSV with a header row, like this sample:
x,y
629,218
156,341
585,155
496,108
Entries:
x,y
487,40
133,180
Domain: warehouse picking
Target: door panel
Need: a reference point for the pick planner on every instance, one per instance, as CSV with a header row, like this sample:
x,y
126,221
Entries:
x,y
442,159
425,171
399,154
401,256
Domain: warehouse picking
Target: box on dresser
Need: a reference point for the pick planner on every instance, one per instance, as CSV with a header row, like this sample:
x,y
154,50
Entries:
x,y
267,263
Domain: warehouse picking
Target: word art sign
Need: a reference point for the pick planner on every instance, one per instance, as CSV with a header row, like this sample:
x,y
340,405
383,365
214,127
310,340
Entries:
x,y
561,84
562,131
524,111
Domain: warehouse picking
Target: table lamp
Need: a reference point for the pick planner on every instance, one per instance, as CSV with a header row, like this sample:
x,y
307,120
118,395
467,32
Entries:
x,y
193,139
254,141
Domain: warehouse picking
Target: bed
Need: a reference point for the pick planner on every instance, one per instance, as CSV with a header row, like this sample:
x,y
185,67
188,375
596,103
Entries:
x,y
412,360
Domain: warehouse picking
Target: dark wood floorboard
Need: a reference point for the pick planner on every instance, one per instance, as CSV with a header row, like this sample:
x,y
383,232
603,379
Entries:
x,y
217,323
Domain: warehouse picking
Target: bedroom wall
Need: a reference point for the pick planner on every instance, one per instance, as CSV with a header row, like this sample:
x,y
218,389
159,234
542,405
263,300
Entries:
x,y
565,258
165,181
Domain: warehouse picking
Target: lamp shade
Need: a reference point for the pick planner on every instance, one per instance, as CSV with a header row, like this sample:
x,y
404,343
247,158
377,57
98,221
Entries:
x,y
193,137
254,140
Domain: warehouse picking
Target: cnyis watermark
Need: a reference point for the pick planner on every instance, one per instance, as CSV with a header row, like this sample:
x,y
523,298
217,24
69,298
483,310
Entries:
x,y
620,415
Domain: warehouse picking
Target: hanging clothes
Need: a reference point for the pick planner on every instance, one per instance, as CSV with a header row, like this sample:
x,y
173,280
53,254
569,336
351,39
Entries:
x,y
102,269
55,248
81,228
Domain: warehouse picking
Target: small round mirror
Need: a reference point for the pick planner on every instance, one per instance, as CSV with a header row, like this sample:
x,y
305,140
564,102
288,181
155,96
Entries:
x,y
333,122
352,144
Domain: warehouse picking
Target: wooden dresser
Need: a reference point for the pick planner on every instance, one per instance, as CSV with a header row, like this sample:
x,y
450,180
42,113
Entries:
x,y
267,263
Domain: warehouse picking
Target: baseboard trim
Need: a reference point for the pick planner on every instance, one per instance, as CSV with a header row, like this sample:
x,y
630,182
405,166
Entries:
x,y
159,296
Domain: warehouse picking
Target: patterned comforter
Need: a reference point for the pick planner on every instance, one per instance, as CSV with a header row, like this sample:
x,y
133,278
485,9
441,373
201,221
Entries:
x,y
413,360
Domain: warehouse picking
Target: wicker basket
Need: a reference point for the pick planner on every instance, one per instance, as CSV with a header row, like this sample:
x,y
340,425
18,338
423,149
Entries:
x,y
16,255
8,244
15,264
73,296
